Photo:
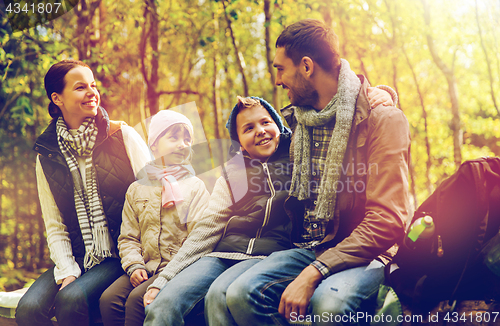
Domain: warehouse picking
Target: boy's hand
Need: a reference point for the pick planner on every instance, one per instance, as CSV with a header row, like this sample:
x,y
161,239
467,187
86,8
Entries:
x,y
150,296
138,276
377,96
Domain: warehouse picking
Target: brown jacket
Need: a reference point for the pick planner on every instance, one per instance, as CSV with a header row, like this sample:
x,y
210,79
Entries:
x,y
373,207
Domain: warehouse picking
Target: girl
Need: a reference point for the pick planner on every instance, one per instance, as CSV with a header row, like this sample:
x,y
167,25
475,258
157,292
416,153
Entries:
x,y
84,166
157,217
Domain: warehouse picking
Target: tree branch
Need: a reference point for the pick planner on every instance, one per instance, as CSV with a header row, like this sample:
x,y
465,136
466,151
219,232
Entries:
x,y
182,91
9,102
236,51
487,60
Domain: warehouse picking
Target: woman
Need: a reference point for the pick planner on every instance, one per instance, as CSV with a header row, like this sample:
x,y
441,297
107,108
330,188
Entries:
x,y
84,166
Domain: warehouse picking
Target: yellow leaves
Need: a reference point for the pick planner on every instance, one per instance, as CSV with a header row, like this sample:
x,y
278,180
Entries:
x,y
45,64
489,127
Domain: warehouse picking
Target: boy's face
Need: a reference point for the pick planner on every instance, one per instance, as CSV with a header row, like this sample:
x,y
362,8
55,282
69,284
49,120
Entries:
x,y
173,147
257,132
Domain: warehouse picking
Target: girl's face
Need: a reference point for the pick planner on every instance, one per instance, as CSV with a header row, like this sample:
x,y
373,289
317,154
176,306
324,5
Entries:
x,y
79,98
174,146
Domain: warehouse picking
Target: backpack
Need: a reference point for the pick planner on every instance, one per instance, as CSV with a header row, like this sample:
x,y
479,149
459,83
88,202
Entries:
x,y
449,265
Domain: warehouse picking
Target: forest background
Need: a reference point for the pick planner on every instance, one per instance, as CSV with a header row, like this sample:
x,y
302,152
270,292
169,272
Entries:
x,y
442,57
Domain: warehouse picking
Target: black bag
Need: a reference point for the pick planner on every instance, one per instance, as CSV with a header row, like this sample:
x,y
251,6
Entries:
x,y
449,265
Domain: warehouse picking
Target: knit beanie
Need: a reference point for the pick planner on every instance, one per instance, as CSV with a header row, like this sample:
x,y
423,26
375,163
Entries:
x,y
231,121
164,120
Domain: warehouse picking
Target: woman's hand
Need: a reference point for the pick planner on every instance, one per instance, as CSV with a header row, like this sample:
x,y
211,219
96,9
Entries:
x,y
138,276
150,296
67,281
377,96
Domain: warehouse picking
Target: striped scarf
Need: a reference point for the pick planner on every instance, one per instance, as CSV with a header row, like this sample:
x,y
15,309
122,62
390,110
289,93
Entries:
x,y
341,108
88,203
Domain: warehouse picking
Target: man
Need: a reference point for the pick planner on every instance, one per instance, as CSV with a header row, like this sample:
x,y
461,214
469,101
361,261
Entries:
x,y
350,171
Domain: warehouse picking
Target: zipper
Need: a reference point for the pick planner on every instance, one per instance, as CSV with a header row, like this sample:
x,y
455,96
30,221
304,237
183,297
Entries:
x,y
267,213
250,246
225,228
440,251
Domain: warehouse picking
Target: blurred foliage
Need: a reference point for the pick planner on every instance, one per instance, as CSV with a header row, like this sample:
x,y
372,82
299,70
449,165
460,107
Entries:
x,y
382,39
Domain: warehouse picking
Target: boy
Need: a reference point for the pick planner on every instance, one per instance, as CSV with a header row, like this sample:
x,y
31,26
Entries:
x,y
241,225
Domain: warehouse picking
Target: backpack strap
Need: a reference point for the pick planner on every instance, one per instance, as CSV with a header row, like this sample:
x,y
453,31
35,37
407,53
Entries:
x,y
478,172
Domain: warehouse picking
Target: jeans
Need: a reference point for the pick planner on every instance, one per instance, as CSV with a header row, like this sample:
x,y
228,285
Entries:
x,y
185,293
254,297
76,305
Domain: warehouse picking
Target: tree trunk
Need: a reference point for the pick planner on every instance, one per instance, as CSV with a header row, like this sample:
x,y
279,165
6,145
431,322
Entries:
x,y
362,65
84,11
428,184
15,239
150,32
452,89
413,187
237,53
2,248
488,63
1,198
393,17
270,68
216,102
30,258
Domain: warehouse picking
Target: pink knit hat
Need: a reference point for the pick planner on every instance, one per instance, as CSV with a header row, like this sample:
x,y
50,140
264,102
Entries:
x,y
164,120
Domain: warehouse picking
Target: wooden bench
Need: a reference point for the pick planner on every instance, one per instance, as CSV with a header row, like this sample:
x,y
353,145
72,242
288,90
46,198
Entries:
x,y
8,304
466,313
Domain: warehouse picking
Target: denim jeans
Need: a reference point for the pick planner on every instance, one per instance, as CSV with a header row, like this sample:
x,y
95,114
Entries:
x,y
254,297
185,293
75,305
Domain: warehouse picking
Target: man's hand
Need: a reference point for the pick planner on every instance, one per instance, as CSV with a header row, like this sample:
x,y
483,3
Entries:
x,y
67,281
138,276
297,294
150,296
377,96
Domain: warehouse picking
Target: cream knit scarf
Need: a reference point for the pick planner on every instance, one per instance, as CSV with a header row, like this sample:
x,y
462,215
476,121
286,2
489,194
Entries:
x,y
341,108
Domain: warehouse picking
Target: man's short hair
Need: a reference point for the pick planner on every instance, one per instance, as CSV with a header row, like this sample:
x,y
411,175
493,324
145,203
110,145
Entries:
x,y
311,38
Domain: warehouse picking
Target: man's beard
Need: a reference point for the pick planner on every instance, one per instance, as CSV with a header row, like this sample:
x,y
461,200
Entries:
x,y
303,93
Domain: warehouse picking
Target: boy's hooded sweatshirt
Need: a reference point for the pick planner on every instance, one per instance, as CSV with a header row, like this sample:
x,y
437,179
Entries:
x,y
259,224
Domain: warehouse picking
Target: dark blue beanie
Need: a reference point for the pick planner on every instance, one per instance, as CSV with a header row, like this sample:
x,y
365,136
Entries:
x,y
231,121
